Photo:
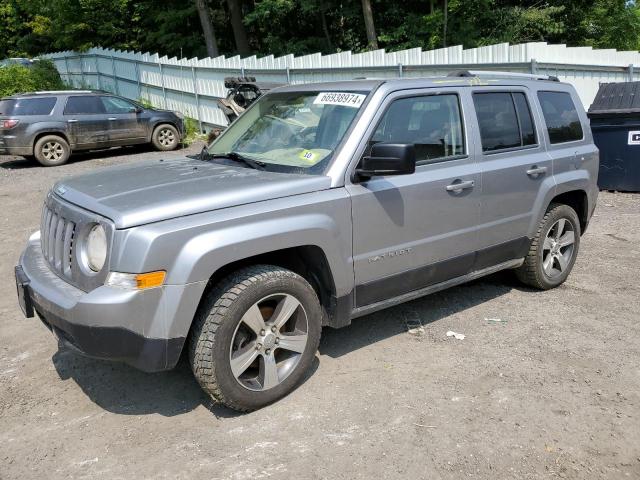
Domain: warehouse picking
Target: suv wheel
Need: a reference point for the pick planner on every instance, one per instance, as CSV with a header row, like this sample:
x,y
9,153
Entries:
x,y
52,150
255,336
165,137
554,249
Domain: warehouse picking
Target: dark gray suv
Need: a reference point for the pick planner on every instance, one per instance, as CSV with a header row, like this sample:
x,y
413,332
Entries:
x,y
51,125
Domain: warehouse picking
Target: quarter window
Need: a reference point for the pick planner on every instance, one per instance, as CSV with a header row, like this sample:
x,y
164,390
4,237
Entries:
x,y
27,106
561,117
433,124
84,105
505,120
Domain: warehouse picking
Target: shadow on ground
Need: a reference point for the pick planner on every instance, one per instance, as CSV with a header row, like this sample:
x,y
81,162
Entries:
x,y
379,326
121,389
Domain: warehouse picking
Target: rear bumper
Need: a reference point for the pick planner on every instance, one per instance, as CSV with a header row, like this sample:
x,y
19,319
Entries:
x,y
12,145
134,327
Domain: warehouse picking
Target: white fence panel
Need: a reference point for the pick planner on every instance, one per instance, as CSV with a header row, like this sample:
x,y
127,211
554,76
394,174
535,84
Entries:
x,y
192,86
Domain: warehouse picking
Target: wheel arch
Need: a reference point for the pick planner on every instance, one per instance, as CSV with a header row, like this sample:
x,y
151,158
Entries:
x,y
578,200
308,261
57,133
156,123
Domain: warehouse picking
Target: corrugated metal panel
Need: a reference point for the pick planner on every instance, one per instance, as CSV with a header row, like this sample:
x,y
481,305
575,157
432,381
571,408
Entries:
x,y
172,82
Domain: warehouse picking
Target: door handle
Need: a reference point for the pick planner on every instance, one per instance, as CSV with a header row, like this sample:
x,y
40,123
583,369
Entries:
x,y
458,187
535,171
73,120
111,119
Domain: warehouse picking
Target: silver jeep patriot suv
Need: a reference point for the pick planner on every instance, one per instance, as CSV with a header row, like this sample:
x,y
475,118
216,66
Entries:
x,y
320,204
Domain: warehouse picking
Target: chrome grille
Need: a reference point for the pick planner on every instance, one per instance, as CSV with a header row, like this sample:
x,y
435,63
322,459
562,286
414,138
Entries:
x,y
57,236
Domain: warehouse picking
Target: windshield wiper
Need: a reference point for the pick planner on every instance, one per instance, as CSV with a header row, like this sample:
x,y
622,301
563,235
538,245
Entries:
x,y
236,157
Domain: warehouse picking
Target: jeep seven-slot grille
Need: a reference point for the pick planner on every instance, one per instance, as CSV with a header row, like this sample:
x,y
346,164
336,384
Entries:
x,y
56,236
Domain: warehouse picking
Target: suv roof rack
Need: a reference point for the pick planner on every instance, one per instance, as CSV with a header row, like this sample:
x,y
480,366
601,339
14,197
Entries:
x,y
492,74
54,92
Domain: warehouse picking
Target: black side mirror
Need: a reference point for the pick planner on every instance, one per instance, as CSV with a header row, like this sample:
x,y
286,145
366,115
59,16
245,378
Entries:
x,y
388,159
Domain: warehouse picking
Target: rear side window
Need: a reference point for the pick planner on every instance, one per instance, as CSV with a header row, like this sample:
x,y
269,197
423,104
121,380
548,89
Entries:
x,y
505,120
27,106
84,105
561,117
433,124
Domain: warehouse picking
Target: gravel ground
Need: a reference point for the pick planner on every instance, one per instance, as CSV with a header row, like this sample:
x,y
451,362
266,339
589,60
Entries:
x,y
552,390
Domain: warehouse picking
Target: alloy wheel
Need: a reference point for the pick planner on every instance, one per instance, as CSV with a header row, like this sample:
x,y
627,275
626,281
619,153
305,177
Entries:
x,y
268,342
558,248
166,137
53,151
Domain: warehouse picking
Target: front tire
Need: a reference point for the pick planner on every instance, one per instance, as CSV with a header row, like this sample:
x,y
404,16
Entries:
x,y
554,249
255,336
165,137
52,150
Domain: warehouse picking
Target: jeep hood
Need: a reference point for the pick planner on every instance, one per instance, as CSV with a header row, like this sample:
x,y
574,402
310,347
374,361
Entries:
x,y
156,190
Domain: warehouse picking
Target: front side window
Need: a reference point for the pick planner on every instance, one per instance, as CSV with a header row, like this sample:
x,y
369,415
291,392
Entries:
x,y
504,119
84,105
433,124
115,105
294,132
27,106
561,117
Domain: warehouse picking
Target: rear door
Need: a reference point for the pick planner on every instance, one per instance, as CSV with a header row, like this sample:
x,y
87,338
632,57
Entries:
x,y
86,122
412,231
514,165
125,124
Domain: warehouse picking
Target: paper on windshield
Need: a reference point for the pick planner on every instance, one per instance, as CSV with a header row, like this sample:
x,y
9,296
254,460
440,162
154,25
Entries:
x,y
344,99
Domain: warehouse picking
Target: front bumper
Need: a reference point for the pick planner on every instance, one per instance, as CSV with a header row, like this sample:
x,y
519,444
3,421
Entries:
x,y
135,327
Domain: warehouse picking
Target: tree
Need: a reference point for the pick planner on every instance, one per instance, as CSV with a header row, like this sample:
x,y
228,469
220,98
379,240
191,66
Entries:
x,y
207,28
372,39
239,32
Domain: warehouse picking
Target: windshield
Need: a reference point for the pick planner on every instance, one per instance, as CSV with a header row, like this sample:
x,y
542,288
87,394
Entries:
x,y
295,132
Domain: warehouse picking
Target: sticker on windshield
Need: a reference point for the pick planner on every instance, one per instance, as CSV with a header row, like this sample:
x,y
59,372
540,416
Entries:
x,y
343,99
308,156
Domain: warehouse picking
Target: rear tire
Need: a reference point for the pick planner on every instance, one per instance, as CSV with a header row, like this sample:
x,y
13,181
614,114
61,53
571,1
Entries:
x,y
165,137
51,151
553,250
255,336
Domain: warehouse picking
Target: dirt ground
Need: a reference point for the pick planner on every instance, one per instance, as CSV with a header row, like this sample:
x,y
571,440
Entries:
x,y
551,390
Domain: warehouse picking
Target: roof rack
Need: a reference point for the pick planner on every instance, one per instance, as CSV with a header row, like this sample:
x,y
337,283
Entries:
x,y
50,92
486,73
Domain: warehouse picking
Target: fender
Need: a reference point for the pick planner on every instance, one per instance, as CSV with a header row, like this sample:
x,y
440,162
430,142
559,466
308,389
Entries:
x,y
210,251
576,180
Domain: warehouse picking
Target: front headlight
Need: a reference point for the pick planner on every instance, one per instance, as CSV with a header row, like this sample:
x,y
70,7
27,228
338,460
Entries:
x,y
96,248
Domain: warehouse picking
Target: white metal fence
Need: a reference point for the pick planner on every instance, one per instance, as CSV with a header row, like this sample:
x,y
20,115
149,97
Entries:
x,y
191,86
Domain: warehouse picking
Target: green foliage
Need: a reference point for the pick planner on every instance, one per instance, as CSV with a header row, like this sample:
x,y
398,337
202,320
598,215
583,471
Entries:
x,y
172,27
191,131
17,78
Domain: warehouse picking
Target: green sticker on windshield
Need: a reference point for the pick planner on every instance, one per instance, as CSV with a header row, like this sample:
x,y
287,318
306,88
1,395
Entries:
x,y
308,156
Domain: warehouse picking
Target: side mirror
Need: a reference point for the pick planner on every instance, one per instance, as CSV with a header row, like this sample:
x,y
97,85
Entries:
x,y
388,159
136,110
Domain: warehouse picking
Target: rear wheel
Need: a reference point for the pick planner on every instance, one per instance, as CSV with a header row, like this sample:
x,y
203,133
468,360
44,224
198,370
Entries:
x,y
52,150
554,249
255,336
165,137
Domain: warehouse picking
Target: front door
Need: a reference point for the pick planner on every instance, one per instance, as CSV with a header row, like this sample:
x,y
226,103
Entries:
x,y
125,125
412,231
